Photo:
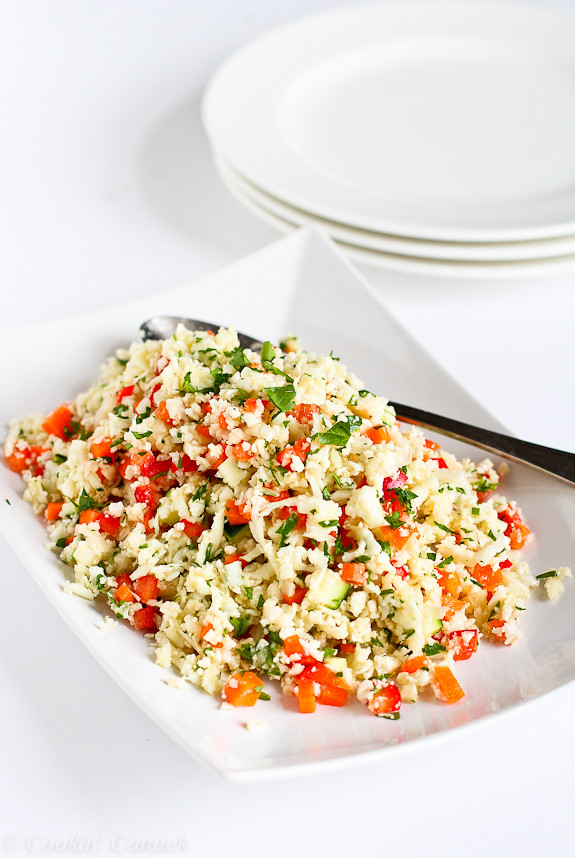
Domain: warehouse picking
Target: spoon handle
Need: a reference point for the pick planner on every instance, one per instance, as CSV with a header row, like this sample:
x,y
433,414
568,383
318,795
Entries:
x,y
557,462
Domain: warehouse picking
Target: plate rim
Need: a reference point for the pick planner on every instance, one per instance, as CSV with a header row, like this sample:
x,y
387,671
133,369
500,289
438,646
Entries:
x,y
560,19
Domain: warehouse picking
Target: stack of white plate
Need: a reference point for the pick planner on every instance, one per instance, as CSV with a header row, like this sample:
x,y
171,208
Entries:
x,y
433,138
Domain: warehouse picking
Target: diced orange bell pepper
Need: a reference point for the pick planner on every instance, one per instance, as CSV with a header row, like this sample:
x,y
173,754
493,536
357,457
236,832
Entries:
x,y
124,594
330,695
378,434
445,685
243,689
101,449
411,665
236,513
59,423
53,510
488,577
354,573
242,452
192,529
163,414
306,695
292,646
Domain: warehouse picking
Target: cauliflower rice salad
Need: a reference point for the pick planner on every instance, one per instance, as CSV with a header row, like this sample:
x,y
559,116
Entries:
x,y
262,515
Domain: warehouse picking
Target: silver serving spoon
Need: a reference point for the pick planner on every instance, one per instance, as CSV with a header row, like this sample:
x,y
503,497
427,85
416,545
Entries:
x,y
557,462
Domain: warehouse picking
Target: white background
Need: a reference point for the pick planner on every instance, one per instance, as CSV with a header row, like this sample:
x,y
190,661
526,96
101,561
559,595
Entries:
x,y
108,192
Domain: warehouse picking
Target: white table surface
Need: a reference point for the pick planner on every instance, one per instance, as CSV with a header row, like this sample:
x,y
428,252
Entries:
x,y
108,192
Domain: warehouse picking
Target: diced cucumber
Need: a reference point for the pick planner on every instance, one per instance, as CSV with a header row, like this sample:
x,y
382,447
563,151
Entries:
x,y
235,533
330,590
168,516
432,623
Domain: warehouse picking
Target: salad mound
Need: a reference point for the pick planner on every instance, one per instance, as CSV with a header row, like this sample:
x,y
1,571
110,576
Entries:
x,y
261,515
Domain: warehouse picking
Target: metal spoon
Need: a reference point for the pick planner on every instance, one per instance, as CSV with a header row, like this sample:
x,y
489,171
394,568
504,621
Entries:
x,y
556,462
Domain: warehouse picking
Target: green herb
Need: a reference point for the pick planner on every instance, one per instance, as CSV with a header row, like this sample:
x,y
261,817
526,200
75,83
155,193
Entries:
x,y
268,354
275,637
445,562
328,652
325,494
139,435
249,591
405,497
122,361
393,716
332,523
444,527
282,397
377,642
118,441
85,502
220,377
240,396
475,510
483,485
385,547
409,633
394,520
264,696
146,413
340,432
286,528
363,558
433,649
61,543
241,625
550,574
491,535
59,458
387,592
364,393
201,492
431,555
260,603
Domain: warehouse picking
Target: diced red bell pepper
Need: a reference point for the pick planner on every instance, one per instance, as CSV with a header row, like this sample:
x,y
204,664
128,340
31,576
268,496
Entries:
x,y
297,597
304,412
203,430
318,672
124,392
298,450
109,524
242,452
145,618
192,529
285,511
386,700
147,495
463,643
347,647
146,588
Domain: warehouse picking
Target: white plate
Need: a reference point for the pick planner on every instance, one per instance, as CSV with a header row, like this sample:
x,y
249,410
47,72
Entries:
x,y
319,295
507,251
426,267
444,121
